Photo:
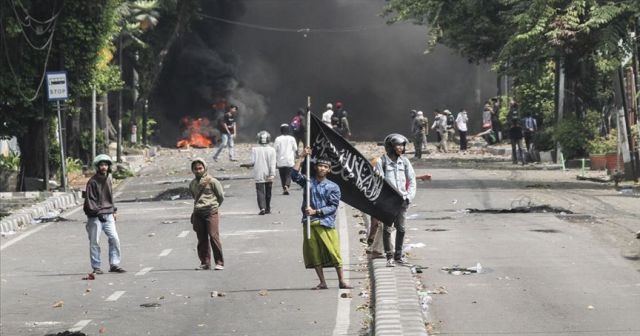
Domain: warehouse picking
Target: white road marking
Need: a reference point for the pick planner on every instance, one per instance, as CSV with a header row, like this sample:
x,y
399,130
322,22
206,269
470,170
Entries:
x,y
80,325
344,304
183,234
115,296
42,323
144,271
248,232
23,236
70,213
165,253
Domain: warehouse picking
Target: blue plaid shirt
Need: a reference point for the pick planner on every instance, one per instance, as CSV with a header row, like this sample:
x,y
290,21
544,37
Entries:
x,y
325,196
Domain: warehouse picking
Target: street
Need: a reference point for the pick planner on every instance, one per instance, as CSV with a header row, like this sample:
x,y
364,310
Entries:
x,y
542,273
263,290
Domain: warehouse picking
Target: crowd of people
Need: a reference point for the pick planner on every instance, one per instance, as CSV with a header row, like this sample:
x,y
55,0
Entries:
x,y
449,127
321,249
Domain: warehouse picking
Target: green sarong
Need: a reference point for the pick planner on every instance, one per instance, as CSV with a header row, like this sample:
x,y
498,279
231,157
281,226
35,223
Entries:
x,y
323,248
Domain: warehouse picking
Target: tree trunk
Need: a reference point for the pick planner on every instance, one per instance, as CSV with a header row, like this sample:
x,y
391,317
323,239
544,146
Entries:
x,y
32,152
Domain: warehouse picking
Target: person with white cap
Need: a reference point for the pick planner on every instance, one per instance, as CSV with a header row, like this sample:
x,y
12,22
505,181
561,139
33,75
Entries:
x,y
327,115
101,215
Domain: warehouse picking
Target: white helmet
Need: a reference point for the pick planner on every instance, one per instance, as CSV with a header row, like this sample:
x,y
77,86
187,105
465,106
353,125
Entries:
x,y
329,106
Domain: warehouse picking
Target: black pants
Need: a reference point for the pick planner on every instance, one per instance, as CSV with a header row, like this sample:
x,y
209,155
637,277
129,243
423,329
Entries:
x,y
463,140
285,177
528,136
263,190
398,222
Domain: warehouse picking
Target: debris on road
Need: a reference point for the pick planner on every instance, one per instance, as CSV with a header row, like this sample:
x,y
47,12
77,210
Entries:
x,y
439,290
346,295
457,270
7,233
150,305
58,304
151,234
523,209
263,292
168,222
68,333
407,247
217,294
90,276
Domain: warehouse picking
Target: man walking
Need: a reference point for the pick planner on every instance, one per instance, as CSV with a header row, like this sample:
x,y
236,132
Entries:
x,y
228,130
299,126
101,215
286,148
263,161
461,124
328,115
323,248
208,195
530,129
419,130
398,172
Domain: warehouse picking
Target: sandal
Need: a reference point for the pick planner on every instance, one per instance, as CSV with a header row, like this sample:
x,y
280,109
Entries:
x,y
345,286
203,267
319,287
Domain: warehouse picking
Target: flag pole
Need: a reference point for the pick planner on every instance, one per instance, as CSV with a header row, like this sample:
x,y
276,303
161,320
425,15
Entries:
x,y
308,165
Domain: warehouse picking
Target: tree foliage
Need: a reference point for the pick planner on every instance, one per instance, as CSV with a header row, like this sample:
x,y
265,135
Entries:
x,y
521,38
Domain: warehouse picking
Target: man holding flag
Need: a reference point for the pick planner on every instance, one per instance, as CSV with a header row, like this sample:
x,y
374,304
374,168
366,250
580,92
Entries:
x,y
321,246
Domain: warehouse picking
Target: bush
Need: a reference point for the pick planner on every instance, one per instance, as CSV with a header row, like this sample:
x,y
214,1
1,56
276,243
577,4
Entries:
x,y
604,144
10,162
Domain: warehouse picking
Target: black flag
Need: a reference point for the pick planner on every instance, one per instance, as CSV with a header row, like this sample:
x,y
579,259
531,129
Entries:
x,y
360,186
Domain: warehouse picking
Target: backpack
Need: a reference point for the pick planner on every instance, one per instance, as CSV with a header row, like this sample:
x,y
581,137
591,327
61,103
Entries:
x,y
296,123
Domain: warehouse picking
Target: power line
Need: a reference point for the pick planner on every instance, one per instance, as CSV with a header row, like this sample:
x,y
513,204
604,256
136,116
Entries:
x,y
27,23
44,68
294,30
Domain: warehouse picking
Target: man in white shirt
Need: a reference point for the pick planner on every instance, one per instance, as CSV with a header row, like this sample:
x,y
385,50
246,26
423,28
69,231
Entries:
x,y
461,124
263,161
326,115
286,148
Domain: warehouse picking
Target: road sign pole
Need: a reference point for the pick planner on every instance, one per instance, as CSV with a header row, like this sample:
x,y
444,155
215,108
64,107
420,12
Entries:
x,y
63,163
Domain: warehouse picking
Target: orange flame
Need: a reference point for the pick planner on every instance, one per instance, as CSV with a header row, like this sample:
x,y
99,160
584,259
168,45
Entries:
x,y
196,133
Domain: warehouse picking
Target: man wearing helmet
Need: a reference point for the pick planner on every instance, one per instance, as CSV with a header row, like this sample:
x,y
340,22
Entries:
x,y
101,215
398,172
263,161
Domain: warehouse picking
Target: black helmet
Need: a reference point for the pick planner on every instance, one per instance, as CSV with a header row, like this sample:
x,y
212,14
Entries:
x,y
263,137
393,140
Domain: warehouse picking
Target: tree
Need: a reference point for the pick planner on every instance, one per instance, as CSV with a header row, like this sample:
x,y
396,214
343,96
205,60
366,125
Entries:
x,y
39,36
586,39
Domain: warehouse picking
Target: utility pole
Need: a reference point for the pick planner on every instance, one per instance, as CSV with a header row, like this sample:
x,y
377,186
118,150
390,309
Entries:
x,y
93,122
559,98
119,111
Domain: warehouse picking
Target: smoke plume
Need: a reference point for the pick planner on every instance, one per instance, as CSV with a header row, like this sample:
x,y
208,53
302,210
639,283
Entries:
x,y
267,56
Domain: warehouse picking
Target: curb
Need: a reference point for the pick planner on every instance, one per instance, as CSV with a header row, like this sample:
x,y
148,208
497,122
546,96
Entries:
x,y
23,217
396,302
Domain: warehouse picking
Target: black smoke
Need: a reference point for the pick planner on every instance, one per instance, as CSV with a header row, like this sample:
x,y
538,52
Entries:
x,y
275,53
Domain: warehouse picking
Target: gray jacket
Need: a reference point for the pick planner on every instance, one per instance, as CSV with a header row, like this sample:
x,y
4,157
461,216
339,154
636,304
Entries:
x,y
399,174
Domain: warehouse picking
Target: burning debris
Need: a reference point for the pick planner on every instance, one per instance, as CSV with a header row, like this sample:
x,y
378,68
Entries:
x,y
197,133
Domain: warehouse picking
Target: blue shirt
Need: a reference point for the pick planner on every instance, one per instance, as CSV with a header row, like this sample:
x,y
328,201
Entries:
x,y
325,196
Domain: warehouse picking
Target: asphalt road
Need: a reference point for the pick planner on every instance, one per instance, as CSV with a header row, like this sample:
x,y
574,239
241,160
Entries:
x,y
264,288
542,273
